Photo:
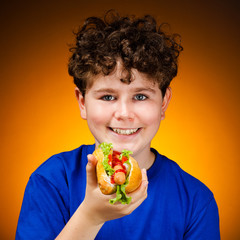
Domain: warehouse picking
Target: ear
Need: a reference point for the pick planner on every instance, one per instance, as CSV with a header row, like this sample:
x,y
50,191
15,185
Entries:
x,y
81,103
166,99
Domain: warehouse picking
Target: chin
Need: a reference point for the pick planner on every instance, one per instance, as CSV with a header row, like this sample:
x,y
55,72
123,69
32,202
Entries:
x,y
121,144
128,146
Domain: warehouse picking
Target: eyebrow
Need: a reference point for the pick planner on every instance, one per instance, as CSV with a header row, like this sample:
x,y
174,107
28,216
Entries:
x,y
143,89
105,90
111,90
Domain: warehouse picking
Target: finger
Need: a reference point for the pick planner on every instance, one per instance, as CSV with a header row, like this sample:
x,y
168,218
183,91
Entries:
x,y
141,193
92,160
91,170
144,184
144,175
138,197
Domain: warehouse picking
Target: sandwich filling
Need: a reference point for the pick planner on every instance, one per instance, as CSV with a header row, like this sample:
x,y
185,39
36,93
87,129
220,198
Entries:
x,y
111,159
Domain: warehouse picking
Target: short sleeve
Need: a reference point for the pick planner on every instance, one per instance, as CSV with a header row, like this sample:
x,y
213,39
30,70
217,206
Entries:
x,y
44,212
205,224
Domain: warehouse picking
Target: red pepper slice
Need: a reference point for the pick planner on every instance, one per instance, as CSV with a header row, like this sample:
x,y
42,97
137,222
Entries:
x,y
110,160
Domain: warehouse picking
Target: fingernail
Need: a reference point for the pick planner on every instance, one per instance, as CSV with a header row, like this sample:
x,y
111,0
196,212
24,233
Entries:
x,y
89,158
90,162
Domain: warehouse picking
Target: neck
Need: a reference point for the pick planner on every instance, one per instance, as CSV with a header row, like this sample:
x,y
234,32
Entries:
x,y
145,159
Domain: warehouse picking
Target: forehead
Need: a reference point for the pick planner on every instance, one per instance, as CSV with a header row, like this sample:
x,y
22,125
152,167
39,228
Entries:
x,y
120,72
113,80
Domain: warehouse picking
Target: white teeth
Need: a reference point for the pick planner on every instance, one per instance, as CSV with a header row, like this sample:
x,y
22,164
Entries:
x,y
125,131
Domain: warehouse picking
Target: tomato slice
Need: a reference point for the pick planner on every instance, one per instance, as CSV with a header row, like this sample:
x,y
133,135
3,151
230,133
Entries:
x,y
124,159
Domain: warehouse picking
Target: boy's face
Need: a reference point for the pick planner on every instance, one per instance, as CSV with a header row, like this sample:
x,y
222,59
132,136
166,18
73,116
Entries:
x,y
128,116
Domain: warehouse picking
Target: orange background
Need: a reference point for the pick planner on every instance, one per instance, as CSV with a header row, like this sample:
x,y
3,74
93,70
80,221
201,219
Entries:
x,y
40,116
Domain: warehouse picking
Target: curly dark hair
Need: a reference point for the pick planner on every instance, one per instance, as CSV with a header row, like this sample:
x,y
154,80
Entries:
x,y
138,42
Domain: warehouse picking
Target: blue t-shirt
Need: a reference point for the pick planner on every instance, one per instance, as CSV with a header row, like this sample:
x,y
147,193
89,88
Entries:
x,y
178,205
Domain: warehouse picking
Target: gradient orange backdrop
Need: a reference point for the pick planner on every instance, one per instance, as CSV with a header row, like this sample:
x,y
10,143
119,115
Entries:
x,y
40,116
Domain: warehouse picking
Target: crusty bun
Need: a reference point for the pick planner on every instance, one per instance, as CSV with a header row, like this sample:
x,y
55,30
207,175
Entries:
x,y
133,176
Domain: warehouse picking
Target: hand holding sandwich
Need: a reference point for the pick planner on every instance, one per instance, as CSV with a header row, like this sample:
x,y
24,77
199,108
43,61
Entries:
x,y
95,209
97,204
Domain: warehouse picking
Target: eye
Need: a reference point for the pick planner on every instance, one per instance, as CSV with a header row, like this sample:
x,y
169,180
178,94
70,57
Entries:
x,y
140,97
108,98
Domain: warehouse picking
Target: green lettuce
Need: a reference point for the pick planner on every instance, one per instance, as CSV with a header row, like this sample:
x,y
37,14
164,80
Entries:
x,y
121,195
107,149
125,153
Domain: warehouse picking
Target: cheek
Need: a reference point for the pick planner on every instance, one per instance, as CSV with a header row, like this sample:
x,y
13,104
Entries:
x,y
97,116
152,116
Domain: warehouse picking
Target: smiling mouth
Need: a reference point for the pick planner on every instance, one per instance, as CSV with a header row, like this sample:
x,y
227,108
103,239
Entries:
x,y
125,131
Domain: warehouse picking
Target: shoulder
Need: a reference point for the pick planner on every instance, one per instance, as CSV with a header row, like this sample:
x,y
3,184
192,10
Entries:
x,y
189,186
60,165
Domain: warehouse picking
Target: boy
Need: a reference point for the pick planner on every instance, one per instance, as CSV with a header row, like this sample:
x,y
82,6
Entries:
x,y
122,68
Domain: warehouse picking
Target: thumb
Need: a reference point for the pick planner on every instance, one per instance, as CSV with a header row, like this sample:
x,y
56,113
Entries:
x,y
91,170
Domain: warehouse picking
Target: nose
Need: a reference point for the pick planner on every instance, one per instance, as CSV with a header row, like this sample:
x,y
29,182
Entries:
x,y
124,111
